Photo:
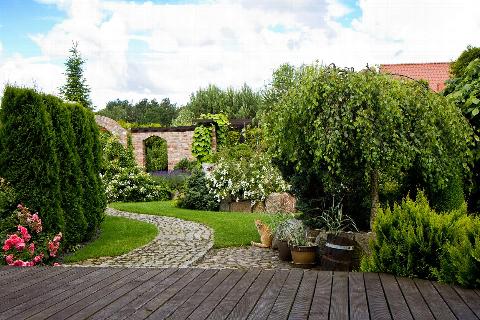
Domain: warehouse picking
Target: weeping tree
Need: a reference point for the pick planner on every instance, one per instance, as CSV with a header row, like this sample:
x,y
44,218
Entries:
x,y
348,129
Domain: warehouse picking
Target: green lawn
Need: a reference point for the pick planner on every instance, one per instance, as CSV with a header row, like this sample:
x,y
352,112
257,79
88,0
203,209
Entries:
x,y
119,235
231,228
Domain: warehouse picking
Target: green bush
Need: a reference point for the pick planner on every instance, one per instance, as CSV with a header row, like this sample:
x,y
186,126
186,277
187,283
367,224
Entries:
x,y
156,154
70,173
186,165
460,260
28,156
86,141
175,181
197,194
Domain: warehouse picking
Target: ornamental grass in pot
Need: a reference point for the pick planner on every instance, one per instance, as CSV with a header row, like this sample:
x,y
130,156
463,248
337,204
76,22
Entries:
x,y
303,251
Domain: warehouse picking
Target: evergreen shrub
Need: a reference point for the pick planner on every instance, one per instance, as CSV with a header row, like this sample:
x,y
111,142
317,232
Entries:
x,y
197,193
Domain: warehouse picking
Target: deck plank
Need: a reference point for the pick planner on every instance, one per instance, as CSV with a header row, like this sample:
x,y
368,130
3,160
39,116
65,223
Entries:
x,y
303,300
29,278
210,303
250,298
269,296
184,311
285,299
357,297
321,300
377,303
178,299
339,301
456,304
417,305
470,298
230,301
435,302
161,294
396,301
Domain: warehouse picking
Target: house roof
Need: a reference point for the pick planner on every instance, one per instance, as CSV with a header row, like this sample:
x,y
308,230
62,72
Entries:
x,y
435,73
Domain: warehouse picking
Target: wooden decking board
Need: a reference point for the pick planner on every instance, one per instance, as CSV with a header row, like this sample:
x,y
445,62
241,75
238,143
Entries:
x,y
303,300
181,296
417,305
164,293
87,307
250,298
211,302
127,293
88,289
396,301
32,297
284,302
377,304
112,309
31,280
434,301
197,298
339,301
357,297
269,296
321,299
223,309
456,304
470,298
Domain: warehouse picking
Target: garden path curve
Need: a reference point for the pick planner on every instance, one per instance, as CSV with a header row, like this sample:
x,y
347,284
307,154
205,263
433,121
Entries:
x,y
179,243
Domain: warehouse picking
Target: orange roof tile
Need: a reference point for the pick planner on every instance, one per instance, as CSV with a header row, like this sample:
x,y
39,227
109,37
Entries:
x,y
435,73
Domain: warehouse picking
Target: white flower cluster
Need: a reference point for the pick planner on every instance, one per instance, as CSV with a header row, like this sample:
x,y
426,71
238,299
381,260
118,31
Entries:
x,y
246,179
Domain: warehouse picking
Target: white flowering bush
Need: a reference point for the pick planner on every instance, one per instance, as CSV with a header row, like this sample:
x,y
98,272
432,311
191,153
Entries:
x,y
247,178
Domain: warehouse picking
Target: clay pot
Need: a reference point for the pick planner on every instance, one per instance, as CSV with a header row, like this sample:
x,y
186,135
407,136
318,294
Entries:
x,y
284,251
304,255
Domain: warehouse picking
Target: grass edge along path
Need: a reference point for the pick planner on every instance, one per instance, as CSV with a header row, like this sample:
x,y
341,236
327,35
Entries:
x,y
118,236
231,229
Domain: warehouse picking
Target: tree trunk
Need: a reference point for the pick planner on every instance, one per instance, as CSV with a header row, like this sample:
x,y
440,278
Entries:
x,y
374,195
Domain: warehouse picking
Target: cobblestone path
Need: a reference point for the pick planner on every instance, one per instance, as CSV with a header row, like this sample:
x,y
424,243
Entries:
x,y
179,243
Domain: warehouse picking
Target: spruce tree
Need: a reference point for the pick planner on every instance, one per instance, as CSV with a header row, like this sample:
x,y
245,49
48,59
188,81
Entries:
x,y
76,88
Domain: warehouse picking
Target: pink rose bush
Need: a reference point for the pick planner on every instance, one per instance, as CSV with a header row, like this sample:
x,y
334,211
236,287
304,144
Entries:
x,y
26,249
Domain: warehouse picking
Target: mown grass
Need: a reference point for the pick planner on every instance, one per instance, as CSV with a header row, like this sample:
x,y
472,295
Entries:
x,y
230,228
118,236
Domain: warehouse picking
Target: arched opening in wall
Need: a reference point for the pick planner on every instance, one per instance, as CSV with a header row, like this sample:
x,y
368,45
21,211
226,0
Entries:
x,y
156,154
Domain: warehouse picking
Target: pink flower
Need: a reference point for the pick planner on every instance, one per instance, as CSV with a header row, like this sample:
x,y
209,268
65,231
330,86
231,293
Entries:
x,y
14,241
9,259
6,246
20,246
56,264
53,248
29,264
31,248
24,232
18,263
58,237
38,258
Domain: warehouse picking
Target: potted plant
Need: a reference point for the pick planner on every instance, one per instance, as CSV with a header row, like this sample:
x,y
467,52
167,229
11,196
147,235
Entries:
x,y
303,251
339,249
282,235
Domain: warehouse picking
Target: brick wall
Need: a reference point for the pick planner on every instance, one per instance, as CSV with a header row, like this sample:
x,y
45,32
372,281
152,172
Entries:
x,y
113,127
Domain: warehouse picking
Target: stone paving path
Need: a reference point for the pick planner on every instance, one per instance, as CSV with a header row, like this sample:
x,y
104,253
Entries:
x,y
179,243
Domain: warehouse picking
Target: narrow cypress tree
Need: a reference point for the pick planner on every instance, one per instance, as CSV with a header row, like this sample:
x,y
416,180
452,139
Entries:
x,y
28,157
70,173
76,88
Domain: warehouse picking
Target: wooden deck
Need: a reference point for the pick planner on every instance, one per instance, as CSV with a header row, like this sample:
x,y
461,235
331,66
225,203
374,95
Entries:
x,y
116,293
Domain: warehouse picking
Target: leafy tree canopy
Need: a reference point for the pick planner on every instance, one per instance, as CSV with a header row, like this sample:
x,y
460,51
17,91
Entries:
x,y
76,88
458,67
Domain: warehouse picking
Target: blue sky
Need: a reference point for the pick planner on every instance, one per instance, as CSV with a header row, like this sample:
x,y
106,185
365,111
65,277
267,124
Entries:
x,y
158,49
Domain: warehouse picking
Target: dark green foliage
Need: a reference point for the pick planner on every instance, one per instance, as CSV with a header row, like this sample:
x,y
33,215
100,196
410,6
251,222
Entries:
x,y
70,173
186,165
412,240
458,67
28,157
197,194
8,202
76,88
156,154
143,112
93,194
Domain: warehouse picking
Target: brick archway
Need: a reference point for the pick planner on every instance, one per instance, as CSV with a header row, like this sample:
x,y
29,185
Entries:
x,y
113,127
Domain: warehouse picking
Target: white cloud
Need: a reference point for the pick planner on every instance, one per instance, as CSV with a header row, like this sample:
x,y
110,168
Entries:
x,y
187,46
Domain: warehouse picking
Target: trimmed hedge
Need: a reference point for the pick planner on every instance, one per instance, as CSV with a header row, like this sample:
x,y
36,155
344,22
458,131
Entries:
x,y
28,156
51,155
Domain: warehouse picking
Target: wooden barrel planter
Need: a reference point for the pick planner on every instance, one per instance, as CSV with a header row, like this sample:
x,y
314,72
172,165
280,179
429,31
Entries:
x,y
304,255
338,253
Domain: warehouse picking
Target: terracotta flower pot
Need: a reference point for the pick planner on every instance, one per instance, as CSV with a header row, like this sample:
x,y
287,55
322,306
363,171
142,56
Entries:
x,y
284,251
304,255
